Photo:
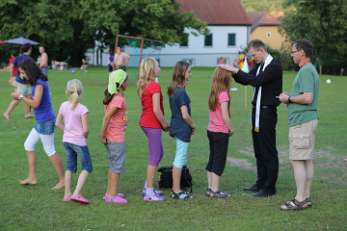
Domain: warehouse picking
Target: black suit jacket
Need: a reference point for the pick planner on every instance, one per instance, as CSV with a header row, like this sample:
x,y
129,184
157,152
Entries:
x,y
270,80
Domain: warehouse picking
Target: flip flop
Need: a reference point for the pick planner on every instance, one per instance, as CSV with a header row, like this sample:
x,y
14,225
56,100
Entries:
x,y
80,199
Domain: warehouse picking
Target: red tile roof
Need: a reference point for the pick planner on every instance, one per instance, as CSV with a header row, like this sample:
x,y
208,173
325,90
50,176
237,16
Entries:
x,y
264,19
216,12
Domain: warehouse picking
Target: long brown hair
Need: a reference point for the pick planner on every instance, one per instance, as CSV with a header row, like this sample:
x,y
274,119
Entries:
x,y
179,76
220,82
146,73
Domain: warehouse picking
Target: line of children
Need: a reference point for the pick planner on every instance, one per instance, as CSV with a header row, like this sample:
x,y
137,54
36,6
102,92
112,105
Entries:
x,y
72,118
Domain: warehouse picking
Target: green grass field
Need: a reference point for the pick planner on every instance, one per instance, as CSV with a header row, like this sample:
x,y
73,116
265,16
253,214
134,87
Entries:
x,y
38,208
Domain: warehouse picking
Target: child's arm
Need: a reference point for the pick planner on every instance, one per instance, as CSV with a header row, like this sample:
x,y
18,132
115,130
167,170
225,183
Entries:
x,y
226,118
59,122
33,102
157,111
85,125
186,117
105,121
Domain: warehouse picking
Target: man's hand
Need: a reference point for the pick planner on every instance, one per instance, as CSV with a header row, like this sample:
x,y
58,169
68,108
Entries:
x,y
228,67
283,97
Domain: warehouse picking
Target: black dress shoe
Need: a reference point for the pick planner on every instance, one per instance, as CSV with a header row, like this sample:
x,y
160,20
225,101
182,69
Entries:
x,y
253,188
265,193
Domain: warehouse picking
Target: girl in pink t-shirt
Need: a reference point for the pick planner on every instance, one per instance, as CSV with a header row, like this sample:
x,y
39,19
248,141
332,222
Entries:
x,y
113,133
72,118
219,130
152,122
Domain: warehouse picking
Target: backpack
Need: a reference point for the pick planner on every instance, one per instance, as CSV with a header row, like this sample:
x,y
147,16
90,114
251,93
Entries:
x,y
165,179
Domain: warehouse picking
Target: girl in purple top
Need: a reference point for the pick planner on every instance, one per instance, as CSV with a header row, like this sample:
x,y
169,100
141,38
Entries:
x,y
45,120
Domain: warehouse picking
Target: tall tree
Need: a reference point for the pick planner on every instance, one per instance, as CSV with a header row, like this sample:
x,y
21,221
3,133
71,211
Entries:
x,y
68,27
324,23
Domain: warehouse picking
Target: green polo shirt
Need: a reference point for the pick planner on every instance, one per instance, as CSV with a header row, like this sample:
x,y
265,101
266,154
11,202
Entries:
x,y
307,80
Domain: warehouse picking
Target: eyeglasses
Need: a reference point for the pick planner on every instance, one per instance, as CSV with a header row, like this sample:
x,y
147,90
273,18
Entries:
x,y
293,52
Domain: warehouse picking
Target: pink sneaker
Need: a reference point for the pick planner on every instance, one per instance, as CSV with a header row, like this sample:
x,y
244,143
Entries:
x,y
80,199
119,200
67,198
154,197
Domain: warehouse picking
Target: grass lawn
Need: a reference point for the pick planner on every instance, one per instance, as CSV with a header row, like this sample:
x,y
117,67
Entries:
x,y
38,208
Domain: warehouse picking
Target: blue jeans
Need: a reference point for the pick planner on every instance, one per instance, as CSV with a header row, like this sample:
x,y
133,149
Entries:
x,y
45,128
181,156
72,151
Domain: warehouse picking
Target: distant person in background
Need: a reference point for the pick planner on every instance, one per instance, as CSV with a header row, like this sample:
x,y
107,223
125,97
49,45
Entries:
x,y
43,61
110,60
22,85
84,65
121,59
13,70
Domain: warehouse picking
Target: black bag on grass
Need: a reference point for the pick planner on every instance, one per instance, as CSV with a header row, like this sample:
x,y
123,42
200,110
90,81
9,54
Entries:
x,y
165,180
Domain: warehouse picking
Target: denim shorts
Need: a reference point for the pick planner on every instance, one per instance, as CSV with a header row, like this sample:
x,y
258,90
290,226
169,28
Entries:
x,y
45,128
72,151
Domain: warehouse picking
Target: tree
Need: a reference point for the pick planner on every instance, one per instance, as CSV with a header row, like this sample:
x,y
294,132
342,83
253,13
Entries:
x,y
324,23
68,27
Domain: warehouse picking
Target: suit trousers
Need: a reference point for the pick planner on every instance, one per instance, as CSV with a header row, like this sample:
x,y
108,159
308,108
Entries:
x,y
264,144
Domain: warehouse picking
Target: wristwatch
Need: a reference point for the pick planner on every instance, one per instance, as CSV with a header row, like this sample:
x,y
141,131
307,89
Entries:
x,y
289,101
21,96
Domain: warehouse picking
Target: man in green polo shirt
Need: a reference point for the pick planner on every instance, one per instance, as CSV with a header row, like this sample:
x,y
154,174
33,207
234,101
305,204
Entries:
x,y
302,121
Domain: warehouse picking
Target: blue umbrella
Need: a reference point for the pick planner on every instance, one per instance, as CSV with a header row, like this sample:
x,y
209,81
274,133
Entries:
x,y
21,41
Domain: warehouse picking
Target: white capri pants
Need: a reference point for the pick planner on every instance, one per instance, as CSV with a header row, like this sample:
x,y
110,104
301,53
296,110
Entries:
x,y
46,140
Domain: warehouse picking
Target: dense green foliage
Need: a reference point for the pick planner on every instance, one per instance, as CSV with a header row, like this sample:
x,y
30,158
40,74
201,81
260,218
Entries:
x,y
324,23
67,28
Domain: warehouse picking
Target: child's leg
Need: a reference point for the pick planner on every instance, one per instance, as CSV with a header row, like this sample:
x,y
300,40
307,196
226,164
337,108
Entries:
x,y
150,176
210,159
31,179
86,161
179,162
214,182
116,157
58,166
68,174
10,108
81,181
176,179
112,186
29,146
155,149
221,142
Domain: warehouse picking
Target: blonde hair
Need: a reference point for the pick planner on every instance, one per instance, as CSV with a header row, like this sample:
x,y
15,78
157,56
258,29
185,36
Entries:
x,y
220,82
146,73
74,90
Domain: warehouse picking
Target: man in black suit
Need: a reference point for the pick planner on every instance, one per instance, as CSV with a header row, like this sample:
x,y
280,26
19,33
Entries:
x,y
266,78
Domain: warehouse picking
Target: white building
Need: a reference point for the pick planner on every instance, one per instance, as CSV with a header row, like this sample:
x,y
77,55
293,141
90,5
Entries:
x,y
228,26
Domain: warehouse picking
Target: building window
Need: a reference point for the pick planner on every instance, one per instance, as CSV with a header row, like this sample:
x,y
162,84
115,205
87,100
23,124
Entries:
x,y
209,40
268,34
232,39
184,42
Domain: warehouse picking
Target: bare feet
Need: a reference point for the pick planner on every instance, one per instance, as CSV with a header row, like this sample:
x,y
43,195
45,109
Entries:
x,y
6,116
28,116
28,181
58,186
